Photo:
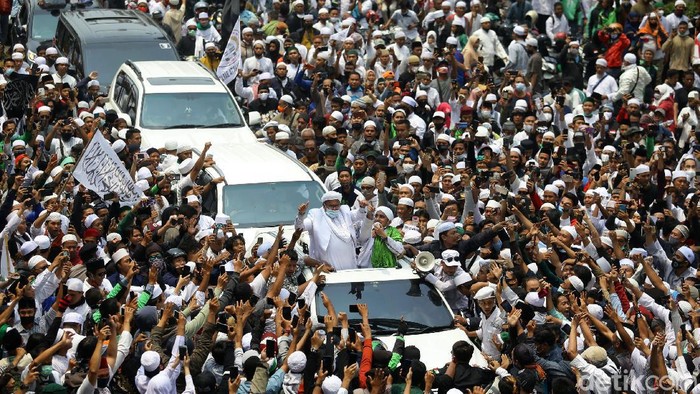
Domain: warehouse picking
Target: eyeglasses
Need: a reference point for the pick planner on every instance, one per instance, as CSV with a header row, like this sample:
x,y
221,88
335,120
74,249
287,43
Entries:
x,y
367,187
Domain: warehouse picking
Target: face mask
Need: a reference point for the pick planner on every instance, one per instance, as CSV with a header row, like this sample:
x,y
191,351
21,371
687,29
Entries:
x,y
520,87
356,126
486,114
657,95
25,320
332,141
264,96
607,115
505,336
335,20
683,34
102,122
614,36
66,137
442,148
413,69
527,128
547,116
547,145
675,263
192,33
461,157
673,241
332,214
9,71
424,87
280,108
408,168
605,158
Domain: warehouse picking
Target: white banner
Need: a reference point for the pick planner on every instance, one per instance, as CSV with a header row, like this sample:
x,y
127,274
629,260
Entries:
x,y
101,171
231,58
7,267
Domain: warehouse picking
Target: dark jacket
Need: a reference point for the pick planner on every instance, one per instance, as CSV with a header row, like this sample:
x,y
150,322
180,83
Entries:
x,y
464,247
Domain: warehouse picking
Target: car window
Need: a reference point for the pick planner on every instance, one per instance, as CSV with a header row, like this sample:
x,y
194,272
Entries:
x,y
106,59
132,100
123,99
269,204
416,301
189,110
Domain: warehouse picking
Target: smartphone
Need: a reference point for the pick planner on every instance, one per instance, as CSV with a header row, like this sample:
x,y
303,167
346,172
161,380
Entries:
x,y
176,314
405,366
254,299
222,327
512,219
328,364
352,358
108,196
141,155
301,303
186,270
354,308
183,352
352,335
292,299
287,313
270,348
295,320
260,240
622,207
270,301
233,373
337,331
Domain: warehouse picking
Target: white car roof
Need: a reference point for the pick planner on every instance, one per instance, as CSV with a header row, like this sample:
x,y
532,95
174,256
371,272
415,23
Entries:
x,y
372,274
176,77
257,162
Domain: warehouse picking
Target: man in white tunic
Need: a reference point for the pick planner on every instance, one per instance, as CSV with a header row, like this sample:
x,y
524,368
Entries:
x,y
332,231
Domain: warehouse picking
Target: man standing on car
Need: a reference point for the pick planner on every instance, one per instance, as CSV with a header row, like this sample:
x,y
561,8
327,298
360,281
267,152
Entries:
x,y
332,233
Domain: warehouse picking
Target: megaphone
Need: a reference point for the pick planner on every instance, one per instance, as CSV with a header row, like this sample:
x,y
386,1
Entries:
x,y
425,261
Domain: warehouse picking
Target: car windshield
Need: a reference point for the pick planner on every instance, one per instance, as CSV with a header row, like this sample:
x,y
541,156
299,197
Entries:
x,y
44,25
189,110
416,301
269,204
107,58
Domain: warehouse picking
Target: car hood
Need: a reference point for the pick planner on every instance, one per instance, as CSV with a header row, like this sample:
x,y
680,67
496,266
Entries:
x,y
435,348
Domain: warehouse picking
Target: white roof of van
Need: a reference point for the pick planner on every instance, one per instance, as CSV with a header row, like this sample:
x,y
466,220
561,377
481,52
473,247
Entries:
x,y
176,77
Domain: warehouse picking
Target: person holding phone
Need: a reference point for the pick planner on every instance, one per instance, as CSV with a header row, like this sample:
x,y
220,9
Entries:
x,y
381,242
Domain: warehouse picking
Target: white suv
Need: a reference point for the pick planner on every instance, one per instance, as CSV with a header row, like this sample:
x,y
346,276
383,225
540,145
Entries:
x,y
391,295
178,100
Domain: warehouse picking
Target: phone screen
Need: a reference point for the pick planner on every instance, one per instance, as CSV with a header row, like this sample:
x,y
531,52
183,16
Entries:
x,y
270,348
287,313
354,308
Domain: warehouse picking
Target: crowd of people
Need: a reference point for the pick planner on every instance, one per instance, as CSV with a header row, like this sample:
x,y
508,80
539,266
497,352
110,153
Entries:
x,y
545,154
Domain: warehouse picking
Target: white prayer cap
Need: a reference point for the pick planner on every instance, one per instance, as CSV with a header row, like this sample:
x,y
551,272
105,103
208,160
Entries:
x,y
119,254
406,201
330,196
34,261
69,238
387,212
75,284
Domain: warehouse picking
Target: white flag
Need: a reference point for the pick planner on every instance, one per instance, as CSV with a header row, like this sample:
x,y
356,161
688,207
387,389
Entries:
x,y
6,265
101,171
231,58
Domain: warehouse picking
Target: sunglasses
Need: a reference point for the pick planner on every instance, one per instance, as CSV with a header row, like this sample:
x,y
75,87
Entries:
x,y
451,259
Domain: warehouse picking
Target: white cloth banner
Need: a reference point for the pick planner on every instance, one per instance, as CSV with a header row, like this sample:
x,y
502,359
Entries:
x,y
101,171
7,267
231,58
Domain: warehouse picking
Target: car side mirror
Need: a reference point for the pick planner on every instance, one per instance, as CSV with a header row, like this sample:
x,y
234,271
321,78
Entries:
x,y
254,118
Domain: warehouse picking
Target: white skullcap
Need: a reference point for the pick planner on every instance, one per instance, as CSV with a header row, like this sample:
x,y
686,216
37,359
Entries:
x,y
442,228
596,311
387,212
551,189
331,384
485,293
118,146
75,284
70,237
111,237
34,261
688,253
533,298
62,60
641,251
679,174
571,230
150,360
406,201
576,283
601,62
186,166
28,247
89,221
73,317
415,179
119,254
630,58
330,196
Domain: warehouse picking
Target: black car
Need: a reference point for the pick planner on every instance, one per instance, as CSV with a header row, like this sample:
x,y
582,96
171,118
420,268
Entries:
x,y
102,39
37,20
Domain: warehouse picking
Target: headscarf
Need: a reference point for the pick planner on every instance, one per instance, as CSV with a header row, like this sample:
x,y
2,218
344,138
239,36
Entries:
x,y
666,92
470,51
656,33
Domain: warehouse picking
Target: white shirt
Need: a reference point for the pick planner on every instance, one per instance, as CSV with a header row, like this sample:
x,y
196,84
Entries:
x,y
555,25
490,47
105,286
606,87
489,326
333,240
253,63
64,79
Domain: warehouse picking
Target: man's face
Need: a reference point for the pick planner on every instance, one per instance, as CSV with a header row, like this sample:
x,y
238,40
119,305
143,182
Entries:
x,y
360,166
258,50
354,81
54,227
682,28
134,140
345,178
558,10
281,71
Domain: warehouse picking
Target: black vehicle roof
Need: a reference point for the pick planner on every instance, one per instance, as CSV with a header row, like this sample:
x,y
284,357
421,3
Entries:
x,y
109,26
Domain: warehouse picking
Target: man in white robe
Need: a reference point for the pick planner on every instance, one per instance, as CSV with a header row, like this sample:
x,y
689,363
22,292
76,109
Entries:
x,y
332,231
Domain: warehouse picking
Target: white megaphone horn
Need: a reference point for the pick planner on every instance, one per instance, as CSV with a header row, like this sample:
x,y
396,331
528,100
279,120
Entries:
x,y
425,261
